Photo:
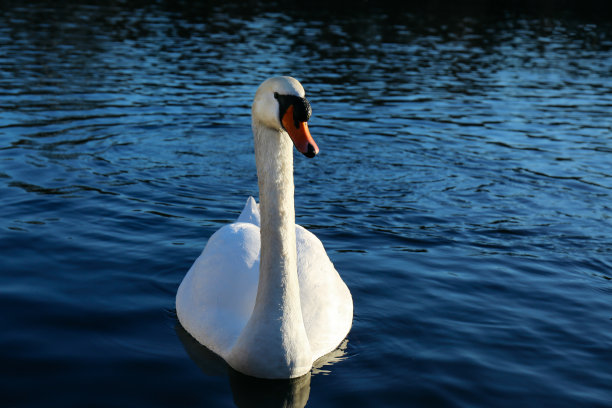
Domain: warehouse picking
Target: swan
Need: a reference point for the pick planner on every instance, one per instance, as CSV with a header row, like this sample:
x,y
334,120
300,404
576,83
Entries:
x,y
263,294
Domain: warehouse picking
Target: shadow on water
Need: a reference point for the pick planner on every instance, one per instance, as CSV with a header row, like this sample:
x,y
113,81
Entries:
x,y
248,392
252,392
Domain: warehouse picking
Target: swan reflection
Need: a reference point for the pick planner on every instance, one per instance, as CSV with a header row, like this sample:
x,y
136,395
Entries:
x,y
250,392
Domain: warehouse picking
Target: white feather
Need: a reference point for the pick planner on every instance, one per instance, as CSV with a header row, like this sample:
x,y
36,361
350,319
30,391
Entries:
x,y
263,294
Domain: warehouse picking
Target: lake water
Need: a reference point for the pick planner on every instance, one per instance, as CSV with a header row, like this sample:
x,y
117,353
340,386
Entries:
x,y
463,191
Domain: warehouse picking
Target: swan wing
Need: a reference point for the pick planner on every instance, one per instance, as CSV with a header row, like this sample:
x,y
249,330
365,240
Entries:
x,y
327,305
217,296
250,212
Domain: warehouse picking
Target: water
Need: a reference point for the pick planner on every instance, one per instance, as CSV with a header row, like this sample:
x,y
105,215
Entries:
x,y
463,192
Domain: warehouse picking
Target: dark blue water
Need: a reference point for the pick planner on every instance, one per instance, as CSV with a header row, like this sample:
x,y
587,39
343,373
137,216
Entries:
x,y
463,192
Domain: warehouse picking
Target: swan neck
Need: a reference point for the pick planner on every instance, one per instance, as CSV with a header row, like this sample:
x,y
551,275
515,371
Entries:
x,y
274,160
274,343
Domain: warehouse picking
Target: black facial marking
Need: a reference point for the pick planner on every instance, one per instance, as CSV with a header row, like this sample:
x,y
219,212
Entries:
x,y
301,107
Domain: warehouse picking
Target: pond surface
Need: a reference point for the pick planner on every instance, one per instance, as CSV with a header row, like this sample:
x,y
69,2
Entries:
x,y
463,191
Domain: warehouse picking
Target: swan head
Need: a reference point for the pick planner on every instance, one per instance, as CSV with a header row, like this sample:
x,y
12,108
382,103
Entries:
x,y
280,104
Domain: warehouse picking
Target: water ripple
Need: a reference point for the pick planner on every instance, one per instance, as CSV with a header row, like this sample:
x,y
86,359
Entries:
x,y
462,191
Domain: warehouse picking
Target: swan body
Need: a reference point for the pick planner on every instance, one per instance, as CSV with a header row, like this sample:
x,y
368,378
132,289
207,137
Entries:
x,y
263,294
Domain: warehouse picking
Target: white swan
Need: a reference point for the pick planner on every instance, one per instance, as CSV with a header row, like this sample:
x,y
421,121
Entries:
x,y
268,313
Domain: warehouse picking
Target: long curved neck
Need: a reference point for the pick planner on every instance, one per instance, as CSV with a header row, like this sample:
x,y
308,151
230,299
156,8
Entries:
x,y
274,160
274,343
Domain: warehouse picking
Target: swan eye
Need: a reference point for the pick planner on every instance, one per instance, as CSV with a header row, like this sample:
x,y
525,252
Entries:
x,y
302,110
275,95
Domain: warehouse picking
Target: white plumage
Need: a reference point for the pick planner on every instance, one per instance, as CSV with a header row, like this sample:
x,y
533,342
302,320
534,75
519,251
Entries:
x,y
263,294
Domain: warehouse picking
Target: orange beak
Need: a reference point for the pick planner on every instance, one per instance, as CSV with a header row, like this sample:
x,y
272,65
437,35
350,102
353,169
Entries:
x,y
299,134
